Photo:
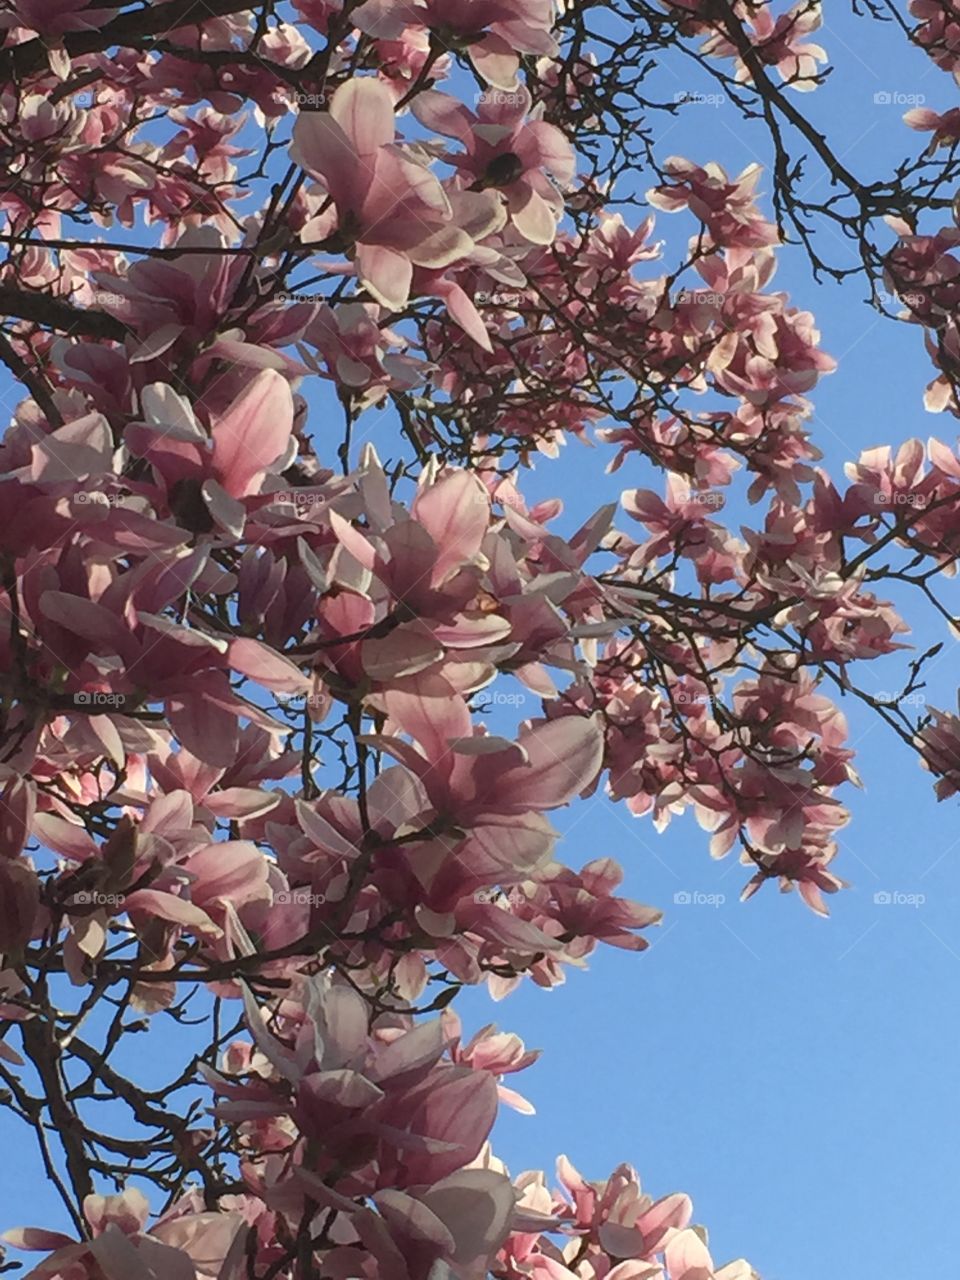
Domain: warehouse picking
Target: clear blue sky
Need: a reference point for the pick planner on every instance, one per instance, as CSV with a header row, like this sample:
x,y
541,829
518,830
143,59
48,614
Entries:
x,y
796,1076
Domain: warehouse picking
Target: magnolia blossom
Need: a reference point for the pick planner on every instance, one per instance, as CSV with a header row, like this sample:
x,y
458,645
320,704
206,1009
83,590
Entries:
x,y
506,151
389,210
493,32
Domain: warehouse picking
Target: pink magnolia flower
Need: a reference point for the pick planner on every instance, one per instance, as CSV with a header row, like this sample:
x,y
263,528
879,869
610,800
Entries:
x,y
688,1258
493,32
506,150
683,523
121,1244
357,349
205,478
391,1108
56,17
385,208
725,206
318,12
939,746
777,42
500,1053
945,128
938,31
615,1216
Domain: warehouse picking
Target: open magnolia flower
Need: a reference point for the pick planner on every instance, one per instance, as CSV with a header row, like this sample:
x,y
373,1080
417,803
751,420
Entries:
x,y
493,32
384,206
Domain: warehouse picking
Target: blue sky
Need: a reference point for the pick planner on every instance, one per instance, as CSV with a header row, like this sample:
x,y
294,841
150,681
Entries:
x,y
796,1076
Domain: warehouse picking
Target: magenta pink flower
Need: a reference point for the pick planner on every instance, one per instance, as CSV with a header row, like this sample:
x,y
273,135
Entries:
x,y
493,32
725,206
56,17
777,42
506,151
388,211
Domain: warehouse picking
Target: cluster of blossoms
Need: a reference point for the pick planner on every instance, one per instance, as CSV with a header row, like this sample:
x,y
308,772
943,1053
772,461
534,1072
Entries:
x,y
938,31
243,665
749,33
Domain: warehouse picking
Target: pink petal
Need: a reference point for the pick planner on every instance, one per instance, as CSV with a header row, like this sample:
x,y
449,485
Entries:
x,y
462,310
564,759
265,666
253,433
36,1238
154,902
443,114
363,108
456,513
386,274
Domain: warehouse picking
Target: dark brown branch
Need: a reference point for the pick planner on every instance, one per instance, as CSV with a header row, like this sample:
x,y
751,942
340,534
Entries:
x,y
130,27
33,380
56,313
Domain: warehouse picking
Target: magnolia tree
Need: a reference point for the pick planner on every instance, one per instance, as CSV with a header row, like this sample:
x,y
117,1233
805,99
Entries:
x,y
295,294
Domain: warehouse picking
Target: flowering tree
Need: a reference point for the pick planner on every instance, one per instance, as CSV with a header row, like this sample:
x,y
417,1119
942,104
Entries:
x,y
294,294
